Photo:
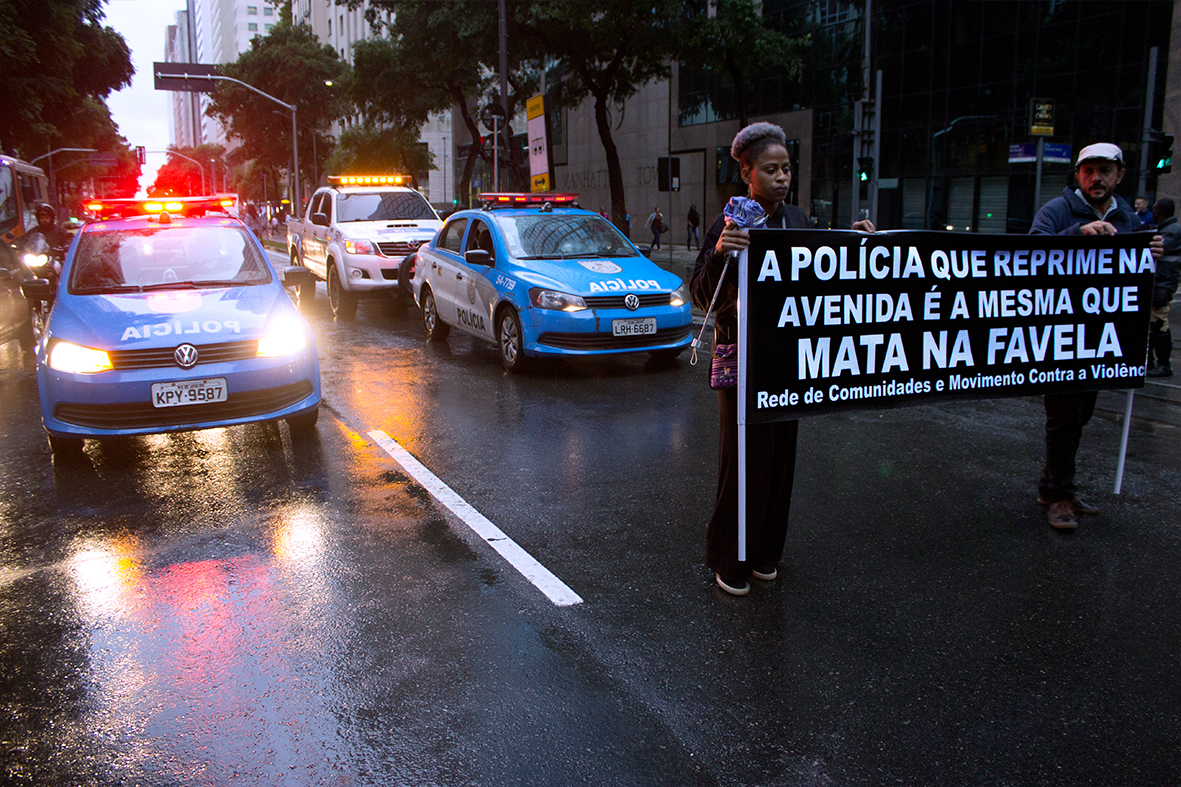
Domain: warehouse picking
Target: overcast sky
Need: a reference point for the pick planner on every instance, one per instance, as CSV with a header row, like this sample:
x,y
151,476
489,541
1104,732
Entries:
x,y
140,111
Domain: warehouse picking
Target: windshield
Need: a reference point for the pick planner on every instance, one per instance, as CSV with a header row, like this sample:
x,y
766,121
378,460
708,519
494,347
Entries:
x,y
166,258
8,206
384,206
547,235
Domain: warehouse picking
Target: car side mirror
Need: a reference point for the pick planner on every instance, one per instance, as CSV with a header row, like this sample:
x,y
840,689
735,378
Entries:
x,y
645,250
297,275
37,290
477,257
320,219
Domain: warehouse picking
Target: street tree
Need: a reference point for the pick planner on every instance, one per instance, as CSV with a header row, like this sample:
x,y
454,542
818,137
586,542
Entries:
x,y
433,55
58,62
604,51
730,44
290,64
368,148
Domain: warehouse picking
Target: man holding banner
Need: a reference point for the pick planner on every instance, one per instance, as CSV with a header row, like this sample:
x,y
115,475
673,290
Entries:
x,y
1091,209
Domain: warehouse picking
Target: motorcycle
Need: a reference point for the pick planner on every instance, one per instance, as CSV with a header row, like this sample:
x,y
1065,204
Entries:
x,y
45,262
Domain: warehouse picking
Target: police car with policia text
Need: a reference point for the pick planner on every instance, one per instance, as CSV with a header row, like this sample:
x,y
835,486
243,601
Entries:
x,y
541,277
170,322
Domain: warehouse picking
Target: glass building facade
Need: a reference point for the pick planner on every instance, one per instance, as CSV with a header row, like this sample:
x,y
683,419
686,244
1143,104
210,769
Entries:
x,y
958,81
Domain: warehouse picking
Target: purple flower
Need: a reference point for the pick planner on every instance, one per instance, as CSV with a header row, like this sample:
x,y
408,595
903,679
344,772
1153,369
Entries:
x,y
745,212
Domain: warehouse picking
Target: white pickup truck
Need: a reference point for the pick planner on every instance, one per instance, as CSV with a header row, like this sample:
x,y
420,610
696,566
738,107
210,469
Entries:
x,y
356,232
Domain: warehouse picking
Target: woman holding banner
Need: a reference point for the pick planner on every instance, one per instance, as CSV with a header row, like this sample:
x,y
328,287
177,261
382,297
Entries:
x,y
761,152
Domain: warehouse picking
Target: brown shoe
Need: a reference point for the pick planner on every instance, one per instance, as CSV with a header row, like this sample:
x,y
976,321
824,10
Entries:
x,y
1080,505
1061,515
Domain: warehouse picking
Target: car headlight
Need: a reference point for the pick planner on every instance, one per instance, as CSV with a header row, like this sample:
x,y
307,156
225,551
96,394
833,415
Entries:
x,y
36,260
76,359
680,295
285,337
358,247
552,299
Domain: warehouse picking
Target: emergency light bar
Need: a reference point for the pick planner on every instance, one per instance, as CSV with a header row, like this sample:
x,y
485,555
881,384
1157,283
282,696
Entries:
x,y
506,199
126,207
370,180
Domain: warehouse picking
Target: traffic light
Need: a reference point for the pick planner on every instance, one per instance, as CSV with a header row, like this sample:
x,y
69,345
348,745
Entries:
x,y
141,154
1162,154
864,169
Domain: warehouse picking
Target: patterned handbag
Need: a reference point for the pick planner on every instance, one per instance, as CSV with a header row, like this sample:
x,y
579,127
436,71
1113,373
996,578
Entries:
x,y
723,367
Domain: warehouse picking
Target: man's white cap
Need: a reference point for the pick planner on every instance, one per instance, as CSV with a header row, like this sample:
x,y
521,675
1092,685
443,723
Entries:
x,y
1101,150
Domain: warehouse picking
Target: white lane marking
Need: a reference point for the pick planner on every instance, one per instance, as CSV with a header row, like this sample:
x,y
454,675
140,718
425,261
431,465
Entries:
x,y
555,589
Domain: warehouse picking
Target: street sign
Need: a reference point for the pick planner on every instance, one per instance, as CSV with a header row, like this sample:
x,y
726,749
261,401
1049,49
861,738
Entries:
x,y
492,116
1056,153
538,143
102,160
668,173
184,77
1041,117
1052,153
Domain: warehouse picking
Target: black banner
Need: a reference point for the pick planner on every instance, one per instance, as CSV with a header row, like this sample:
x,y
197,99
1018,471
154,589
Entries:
x,y
837,320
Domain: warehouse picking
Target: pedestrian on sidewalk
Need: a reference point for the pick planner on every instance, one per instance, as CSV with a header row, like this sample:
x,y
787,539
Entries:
x,y
694,220
1168,275
655,223
1091,209
761,151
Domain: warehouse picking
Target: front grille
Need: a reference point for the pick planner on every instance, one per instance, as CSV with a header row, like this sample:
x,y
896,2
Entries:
x,y
161,357
605,341
398,248
142,415
647,300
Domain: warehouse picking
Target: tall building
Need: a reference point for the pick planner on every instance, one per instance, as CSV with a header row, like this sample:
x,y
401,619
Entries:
x,y
211,32
959,80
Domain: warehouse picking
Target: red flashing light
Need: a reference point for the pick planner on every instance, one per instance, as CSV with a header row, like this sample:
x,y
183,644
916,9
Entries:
x,y
115,208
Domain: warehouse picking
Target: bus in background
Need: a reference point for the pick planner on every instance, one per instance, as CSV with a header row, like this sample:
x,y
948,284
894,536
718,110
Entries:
x,y
22,188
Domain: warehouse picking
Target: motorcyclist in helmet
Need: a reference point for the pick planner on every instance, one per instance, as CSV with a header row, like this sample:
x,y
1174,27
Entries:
x,y
57,238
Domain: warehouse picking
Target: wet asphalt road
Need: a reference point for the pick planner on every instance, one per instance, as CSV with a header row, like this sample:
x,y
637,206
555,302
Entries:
x,y
233,607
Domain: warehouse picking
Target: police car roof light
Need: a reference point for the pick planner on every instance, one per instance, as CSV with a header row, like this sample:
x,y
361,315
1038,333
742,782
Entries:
x,y
370,180
504,199
127,207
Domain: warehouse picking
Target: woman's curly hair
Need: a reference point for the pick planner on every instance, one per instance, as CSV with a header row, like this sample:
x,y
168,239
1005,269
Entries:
x,y
754,139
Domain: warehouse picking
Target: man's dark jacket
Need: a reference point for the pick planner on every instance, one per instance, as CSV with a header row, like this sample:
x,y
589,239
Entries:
x,y
1168,267
1066,214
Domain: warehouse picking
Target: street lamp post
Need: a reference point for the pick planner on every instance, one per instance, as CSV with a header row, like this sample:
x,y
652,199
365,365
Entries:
x,y
52,184
294,133
200,80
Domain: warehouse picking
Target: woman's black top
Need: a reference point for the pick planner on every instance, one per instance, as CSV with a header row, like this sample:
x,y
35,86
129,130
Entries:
x,y
709,269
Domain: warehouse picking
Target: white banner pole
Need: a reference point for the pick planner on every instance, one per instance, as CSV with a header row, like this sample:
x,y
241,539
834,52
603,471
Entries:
x,y
1123,443
742,345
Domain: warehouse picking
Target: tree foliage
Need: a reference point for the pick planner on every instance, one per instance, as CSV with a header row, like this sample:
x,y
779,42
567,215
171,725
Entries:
x,y
433,56
733,46
606,51
290,64
370,148
442,54
59,63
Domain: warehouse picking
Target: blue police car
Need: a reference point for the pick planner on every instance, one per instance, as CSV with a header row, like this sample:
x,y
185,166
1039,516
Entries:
x,y
170,322
539,277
